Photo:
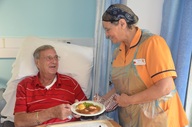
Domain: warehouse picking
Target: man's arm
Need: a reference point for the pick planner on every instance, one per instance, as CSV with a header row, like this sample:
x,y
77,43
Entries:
x,y
23,119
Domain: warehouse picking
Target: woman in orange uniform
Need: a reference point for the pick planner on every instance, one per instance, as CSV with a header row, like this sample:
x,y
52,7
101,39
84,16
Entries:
x,y
143,73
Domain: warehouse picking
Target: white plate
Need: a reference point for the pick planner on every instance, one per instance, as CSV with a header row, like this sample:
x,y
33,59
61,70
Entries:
x,y
73,108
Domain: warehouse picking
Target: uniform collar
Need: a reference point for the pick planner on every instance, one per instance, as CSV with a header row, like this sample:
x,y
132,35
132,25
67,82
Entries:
x,y
134,41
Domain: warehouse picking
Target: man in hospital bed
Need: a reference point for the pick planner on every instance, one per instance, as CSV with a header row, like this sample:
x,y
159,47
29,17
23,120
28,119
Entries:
x,y
46,98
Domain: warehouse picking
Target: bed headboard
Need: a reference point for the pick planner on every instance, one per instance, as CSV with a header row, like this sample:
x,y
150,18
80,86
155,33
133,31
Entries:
x,y
10,46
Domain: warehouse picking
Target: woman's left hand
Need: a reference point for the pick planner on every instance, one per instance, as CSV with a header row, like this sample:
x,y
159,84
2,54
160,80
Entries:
x,y
123,100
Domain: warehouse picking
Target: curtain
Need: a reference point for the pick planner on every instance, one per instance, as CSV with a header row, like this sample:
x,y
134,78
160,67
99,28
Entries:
x,y
103,55
177,31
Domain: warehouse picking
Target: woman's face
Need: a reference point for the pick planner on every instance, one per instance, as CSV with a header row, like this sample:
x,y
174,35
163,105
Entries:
x,y
112,31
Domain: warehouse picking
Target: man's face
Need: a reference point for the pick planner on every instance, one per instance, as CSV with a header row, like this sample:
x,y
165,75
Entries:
x,y
48,62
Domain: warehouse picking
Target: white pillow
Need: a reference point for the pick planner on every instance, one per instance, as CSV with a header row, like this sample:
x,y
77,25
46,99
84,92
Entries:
x,y
76,61
10,97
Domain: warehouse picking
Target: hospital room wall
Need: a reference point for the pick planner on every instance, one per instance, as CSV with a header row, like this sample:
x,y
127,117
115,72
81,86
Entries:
x,y
44,18
150,15
61,18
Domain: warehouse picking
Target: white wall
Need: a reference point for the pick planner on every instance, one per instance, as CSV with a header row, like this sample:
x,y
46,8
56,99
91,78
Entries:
x,y
149,13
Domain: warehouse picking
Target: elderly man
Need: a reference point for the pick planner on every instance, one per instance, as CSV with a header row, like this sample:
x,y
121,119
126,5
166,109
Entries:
x,y
47,97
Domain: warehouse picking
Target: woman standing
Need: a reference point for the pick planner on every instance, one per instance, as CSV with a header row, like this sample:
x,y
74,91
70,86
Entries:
x,y
143,73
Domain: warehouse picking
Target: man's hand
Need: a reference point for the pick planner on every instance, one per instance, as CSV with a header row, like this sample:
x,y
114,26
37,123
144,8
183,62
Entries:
x,y
75,115
61,111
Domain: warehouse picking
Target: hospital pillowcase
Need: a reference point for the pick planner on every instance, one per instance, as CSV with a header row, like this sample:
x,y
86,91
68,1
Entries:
x,y
75,61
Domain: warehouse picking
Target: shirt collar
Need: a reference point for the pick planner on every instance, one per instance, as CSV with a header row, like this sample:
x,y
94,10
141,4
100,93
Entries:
x,y
134,41
38,83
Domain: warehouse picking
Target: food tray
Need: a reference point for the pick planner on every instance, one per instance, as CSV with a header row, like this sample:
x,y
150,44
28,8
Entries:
x,y
93,123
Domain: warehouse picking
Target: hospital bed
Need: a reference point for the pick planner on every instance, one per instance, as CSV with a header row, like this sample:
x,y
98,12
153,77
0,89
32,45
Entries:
x,y
76,60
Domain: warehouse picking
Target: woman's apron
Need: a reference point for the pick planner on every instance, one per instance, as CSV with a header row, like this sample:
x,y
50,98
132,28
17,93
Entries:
x,y
126,80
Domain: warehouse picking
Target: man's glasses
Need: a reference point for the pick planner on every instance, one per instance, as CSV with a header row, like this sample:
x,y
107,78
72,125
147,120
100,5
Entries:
x,y
50,58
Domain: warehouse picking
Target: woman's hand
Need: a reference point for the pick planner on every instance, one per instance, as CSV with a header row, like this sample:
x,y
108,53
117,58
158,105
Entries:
x,y
98,98
110,104
122,100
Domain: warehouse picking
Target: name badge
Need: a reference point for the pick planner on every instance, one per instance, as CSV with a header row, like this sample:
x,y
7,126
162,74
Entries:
x,y
139,61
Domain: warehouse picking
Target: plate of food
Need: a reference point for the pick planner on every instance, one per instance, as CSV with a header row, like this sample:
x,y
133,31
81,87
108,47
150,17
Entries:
x,y
87,108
